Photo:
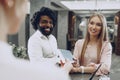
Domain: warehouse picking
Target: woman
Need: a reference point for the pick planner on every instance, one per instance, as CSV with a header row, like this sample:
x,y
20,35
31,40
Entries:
x,y
12,13
95,49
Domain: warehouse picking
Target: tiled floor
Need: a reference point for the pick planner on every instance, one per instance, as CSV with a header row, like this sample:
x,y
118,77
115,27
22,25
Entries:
x,y
115,63
115,68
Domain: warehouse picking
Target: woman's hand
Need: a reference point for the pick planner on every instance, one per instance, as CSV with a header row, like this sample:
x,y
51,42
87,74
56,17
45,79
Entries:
x,y
92,65
102,70
74,69
75,64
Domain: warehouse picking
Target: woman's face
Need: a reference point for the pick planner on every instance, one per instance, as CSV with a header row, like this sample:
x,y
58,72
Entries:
x,y
95,26
15,16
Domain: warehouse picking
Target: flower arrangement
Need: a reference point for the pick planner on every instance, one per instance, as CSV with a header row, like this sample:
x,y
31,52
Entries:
x,y
19,51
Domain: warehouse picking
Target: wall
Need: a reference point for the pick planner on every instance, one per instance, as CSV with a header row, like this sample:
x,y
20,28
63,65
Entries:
x,y
35,6
76,35
62,29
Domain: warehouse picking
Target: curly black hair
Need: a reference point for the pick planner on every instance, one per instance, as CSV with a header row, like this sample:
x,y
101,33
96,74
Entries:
x,y
43,11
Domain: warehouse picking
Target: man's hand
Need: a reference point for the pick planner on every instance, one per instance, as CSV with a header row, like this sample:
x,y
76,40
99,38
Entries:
x,y
68,66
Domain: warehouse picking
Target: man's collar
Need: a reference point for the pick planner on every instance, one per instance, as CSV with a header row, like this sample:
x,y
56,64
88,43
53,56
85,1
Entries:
x,y
43,36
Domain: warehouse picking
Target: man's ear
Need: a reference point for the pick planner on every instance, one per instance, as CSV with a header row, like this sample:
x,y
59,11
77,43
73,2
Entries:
x,y
9,3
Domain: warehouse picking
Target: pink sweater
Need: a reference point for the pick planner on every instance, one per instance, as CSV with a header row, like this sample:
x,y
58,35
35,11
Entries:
x,y
91,56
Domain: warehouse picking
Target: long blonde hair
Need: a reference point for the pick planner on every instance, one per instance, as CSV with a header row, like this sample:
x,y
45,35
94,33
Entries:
x,y
103,36
3,18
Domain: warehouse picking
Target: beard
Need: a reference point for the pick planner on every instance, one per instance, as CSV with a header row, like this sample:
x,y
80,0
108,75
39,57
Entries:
x,y
45,30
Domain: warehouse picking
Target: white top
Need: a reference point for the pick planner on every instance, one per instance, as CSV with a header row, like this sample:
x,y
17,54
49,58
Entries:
x,y
42,48
12,68
115,30
90,54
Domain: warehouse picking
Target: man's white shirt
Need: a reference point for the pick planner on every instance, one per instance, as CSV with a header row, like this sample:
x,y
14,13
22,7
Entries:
x,y
42,48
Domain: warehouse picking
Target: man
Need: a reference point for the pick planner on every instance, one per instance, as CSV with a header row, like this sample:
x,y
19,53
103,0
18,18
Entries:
x,y
42,45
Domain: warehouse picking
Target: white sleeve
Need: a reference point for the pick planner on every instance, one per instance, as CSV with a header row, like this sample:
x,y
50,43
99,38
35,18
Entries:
x,y
57,51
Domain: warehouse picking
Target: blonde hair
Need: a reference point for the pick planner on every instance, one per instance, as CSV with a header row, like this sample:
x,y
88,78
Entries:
x,y
3,24
103,36
15,5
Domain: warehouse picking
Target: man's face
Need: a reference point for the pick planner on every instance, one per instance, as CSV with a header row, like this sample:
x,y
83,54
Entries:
x,y
46,25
